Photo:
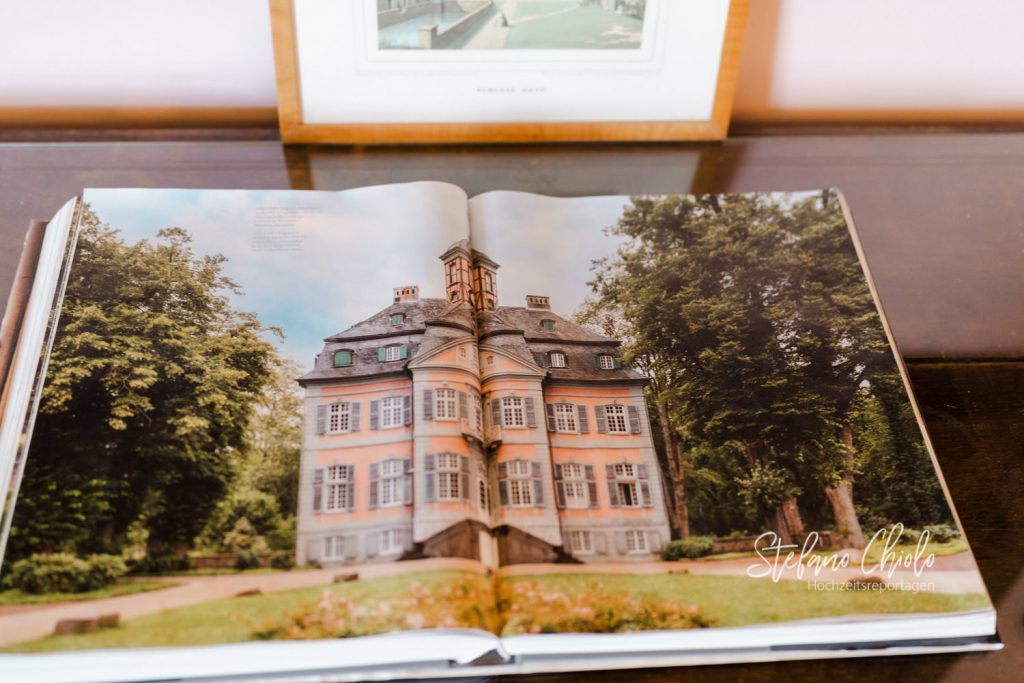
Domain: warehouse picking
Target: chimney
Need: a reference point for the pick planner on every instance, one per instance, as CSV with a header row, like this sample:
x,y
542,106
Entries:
x,y
541,302
408,293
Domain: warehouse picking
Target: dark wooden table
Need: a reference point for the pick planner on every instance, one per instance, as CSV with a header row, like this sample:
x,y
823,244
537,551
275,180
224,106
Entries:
x,y
940,214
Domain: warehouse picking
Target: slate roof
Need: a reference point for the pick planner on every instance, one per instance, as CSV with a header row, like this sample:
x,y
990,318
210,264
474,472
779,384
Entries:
x,y
417,315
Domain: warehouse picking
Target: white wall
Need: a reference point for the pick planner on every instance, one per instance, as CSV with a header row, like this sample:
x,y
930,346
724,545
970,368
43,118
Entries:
x,y
800,55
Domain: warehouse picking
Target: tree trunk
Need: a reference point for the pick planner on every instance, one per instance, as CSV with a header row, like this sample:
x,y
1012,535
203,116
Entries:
x,y
840,496
678,511
787,522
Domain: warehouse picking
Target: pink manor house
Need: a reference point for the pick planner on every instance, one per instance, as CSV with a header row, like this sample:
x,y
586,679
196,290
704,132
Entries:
x,y
458,427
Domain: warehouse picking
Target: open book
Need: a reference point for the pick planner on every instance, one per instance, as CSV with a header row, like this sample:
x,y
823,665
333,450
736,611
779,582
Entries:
x,y
399,432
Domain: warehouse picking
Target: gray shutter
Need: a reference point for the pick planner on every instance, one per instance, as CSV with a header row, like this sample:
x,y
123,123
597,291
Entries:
x,y
503,483
430,479
318,486
601,420
620,542
600,542
407,409
463,405
560,494
634,419
558,471
372,544
538,484
613,489
321,419
645,493
654,541
549,412
407,482
374,414
591,485
581,413
374,481
353,415
641,471
351,487
428,404
464,478
351,547
531,412
314,548
496,412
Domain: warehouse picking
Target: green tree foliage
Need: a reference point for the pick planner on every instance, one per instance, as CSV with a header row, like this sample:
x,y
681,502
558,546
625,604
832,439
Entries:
x,y
150,389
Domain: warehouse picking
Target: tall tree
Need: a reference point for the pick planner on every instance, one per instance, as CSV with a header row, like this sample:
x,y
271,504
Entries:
x,y
150,389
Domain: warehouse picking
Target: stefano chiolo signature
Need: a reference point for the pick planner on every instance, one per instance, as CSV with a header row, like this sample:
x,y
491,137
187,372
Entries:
x,y
776,558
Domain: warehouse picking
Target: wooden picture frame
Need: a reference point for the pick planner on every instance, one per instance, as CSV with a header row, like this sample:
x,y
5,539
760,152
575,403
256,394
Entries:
x,y
374,128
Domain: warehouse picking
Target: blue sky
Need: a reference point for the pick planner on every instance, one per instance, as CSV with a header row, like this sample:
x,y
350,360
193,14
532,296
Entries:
x,y
349,249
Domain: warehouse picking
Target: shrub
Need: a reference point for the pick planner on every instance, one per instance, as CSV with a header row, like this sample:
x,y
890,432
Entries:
x,y
282,559
689,548
910,537
162,563
942,533
282,537
259,509
247,559
65,573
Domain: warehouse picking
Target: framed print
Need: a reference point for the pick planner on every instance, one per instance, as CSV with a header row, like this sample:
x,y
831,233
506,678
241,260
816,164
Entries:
x,y
446,71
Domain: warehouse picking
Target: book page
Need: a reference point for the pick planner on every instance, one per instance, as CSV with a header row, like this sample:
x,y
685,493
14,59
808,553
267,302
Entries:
x,y
225,449
727,432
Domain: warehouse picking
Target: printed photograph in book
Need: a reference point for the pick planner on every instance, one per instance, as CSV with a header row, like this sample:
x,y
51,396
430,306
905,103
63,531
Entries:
x,y
321,415
510,24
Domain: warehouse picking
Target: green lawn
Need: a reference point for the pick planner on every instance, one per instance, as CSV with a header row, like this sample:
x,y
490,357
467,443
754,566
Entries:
x,y
581,28
742,601
230,620
16,597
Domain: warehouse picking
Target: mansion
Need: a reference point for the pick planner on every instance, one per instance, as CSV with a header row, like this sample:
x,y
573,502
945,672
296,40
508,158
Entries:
x,y
459,427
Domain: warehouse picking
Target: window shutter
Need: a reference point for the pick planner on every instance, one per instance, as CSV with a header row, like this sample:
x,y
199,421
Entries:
x,y
374,414
591,485
313,548
372,544
351,547
600,542
549,412
463,405
502,470
558,471
321,419
496,412
428,404
613,489
538,358
318,482
531,412
597,361
430,478
584,421
560,494
353,415
641,471
464,479
351,494
645,493
620,542
654,541
617,363
601,420
503,492
407,409
374,481
403,351
538,484
407,482
382,353
634,419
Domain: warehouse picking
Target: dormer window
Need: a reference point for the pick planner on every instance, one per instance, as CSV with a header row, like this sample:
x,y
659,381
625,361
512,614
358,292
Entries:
x,y
397,318
557,359
606,361
342,358
392,352
548,325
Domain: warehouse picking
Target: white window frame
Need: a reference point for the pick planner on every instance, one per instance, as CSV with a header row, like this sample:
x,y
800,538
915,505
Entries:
x,y
519,474
336,489
334,548
616,419
581,542
557,359
566,418
636,542
339,418
391,412
390,541
391,483
449,477
513,412
445,404
574,485
606,361
392,352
